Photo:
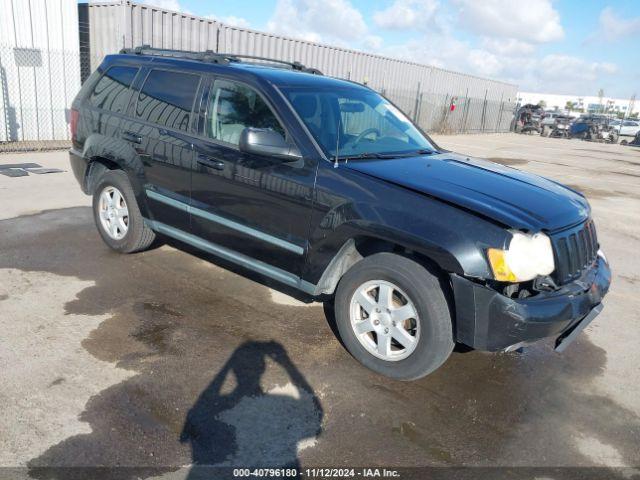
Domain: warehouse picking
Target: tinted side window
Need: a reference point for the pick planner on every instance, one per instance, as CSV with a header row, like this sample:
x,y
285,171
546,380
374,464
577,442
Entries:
x,y
232,108
112,90
166,98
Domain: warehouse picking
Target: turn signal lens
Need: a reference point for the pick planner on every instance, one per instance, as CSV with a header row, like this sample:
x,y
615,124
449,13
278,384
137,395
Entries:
x,y
501,270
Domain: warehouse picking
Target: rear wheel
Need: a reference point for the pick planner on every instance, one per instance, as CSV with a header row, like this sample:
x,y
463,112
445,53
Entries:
x,y
393,316
117,215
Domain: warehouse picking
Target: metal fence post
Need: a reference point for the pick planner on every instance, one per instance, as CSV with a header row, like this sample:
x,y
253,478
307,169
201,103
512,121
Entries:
x,y
466,112
416,105
484,110
125,24
500,112
443,123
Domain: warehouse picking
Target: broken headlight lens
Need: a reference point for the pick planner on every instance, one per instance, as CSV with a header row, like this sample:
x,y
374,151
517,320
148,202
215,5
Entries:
x,y
526,257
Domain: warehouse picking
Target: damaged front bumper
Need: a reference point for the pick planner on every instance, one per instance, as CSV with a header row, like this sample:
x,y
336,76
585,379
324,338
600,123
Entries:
x,y
488,320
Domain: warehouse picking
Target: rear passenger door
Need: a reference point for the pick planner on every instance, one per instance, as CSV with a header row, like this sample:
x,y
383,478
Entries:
x,y
159,129
255,205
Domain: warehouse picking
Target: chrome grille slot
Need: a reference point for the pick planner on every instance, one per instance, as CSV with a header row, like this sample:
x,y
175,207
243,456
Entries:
x,y
574,251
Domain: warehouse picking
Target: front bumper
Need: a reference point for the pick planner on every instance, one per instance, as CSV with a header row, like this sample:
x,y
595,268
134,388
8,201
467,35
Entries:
x,y
488,320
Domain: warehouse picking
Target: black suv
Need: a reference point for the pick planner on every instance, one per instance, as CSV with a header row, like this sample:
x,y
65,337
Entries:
x,y
323,185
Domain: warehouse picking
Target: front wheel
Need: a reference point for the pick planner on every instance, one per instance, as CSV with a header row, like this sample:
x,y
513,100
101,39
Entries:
x,y
117,215
393,316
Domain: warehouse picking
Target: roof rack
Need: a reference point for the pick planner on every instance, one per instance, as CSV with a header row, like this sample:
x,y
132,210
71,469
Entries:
x,y
207,56
212,57
293,65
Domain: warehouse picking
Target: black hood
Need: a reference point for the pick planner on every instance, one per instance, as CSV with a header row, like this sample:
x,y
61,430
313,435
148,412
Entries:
x,y
514,198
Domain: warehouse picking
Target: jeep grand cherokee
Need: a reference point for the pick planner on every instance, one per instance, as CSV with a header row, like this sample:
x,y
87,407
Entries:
x,y
324,185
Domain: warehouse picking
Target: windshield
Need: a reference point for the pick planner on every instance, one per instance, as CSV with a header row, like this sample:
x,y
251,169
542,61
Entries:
x,y
351,122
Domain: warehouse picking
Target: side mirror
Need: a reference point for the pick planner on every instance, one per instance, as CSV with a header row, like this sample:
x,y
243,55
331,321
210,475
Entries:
x,y
264,141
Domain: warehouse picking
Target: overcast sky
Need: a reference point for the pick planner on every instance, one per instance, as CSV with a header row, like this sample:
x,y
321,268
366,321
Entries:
x,y
563,46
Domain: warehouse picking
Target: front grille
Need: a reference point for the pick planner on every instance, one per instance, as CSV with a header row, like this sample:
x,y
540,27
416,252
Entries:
x,y
574,250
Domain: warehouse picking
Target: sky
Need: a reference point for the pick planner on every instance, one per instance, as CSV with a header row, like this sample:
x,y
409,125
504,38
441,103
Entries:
x,y
572,47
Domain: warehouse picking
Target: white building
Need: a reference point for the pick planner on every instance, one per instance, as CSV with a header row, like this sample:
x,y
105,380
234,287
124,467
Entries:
x,y
39,68
588,104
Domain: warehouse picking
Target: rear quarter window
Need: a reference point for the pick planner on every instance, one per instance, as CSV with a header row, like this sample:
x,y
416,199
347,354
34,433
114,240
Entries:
x,y
112,90
166,98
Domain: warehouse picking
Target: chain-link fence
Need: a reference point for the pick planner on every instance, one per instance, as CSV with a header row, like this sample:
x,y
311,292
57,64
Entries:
x,y
449,114
37,87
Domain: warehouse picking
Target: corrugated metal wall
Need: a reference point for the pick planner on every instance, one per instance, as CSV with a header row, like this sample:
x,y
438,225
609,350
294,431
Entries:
x,y
107,27
39,68
425,93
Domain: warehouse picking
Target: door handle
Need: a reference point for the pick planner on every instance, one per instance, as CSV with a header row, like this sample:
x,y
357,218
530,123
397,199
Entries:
x,y
209,162
132,137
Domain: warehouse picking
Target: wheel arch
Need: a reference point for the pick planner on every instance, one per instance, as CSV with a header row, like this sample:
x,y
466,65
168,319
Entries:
x,y
96,167
113,154
358,247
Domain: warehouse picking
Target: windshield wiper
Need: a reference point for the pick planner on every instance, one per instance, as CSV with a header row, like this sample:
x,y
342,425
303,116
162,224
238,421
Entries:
x,y
413,153
364,156
367,155
424,151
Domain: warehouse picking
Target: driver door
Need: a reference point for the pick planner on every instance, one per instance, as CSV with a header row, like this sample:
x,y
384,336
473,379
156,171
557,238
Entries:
x,y
255,205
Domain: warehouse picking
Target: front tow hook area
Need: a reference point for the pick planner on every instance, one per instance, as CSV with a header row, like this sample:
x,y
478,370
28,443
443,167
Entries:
x,y
569,335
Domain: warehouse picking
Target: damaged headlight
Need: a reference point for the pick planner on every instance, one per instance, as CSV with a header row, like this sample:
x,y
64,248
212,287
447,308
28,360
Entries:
x,y
526,257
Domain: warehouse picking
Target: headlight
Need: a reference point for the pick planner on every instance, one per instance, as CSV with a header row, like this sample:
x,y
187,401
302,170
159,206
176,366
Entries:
x,y
526,257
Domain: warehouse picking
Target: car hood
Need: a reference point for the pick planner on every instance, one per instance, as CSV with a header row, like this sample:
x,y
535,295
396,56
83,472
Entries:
x,y
514,198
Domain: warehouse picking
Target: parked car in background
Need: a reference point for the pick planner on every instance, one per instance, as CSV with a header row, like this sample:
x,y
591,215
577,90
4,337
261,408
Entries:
x,y
633,143
527,119
556,126
549,118
596,128
324,186
628,128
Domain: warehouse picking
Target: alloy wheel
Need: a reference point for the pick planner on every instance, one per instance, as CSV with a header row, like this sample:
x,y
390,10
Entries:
x,y
114,213
384,320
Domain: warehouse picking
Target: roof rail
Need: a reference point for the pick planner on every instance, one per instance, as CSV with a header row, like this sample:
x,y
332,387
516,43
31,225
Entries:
x,y
212,57
206,56
294,65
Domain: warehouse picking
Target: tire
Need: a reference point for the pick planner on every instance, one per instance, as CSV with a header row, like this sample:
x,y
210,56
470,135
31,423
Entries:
x,y
132,234
430,327
624,142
